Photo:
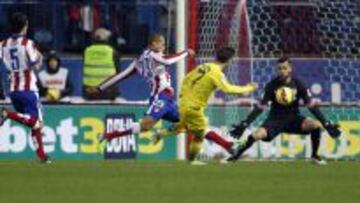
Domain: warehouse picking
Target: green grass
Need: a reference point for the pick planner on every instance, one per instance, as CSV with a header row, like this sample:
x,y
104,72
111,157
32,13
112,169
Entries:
x,y
175,181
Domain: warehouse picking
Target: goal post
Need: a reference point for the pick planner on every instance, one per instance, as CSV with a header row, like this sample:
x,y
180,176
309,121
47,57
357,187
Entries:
x,y
206,25
181,66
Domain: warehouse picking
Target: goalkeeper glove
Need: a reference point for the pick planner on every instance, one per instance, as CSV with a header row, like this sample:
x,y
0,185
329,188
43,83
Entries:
x,y
332,129
238,130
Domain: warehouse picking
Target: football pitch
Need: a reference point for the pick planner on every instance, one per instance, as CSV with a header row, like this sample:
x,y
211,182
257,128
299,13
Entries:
x,y
176,181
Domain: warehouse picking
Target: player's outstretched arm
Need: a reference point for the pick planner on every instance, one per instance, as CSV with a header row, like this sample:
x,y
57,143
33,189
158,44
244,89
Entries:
x,y
222,83
171,59
130,70
331,128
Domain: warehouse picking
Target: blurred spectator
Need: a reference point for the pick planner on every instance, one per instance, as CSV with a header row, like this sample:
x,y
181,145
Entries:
x,y
100,62
54,82
73,12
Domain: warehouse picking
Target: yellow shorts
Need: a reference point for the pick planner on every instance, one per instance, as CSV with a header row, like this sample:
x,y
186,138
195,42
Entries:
x,y
193,119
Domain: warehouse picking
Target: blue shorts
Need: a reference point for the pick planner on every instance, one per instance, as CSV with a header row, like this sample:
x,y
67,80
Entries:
x,y
164,107
27,102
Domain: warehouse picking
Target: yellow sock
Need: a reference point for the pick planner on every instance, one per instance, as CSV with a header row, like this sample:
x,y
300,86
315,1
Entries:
x,y
195,148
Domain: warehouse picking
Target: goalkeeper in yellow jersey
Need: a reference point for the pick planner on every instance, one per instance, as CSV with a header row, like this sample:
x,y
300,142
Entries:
x,y
197,87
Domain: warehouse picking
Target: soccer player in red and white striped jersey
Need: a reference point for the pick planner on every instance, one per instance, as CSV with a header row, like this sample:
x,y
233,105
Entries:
x,y
153,66
20,57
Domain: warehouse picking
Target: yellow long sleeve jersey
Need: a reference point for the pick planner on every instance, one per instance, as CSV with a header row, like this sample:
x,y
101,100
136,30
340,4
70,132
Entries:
x,y
199,84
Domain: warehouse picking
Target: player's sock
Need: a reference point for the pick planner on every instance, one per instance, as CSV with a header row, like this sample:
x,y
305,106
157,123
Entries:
x,y
315,141
134,129
36,135
213,136
114,134
195,148
24,119
249,142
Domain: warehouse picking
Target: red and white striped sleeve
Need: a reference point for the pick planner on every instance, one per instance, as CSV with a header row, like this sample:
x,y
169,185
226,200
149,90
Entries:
x,y
169,59
32,53
131,69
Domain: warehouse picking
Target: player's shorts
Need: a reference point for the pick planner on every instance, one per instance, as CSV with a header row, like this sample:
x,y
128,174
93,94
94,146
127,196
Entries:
x,y
283,124
27,102
164,107
193,119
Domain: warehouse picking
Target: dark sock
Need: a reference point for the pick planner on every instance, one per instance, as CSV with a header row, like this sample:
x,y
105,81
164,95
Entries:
x,y
249,142
315,141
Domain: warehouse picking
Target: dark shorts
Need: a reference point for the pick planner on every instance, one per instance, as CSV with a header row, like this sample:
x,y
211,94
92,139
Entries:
x,y
284,124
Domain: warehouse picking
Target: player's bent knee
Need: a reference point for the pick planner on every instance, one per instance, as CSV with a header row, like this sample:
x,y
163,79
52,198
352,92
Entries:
x,y
315,125
309,125
318,124
147,123
260,134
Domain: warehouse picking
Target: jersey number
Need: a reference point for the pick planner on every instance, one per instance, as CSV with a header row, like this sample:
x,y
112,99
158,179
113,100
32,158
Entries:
x,y
202,70
14,59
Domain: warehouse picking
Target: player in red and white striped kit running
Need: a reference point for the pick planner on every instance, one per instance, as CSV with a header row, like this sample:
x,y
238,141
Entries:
x,y
20,57
153,66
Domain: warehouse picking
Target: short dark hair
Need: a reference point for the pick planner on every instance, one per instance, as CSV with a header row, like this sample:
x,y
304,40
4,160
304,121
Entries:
x,y
224,54
283,59
18,22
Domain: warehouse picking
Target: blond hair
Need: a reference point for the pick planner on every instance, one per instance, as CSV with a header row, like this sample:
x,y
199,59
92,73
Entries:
x,y
154,38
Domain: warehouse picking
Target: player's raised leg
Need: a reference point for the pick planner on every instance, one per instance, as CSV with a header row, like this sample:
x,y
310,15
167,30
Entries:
x,y
162,107
137,127
195,123
25,119
29,114
33,123
229,146
259,134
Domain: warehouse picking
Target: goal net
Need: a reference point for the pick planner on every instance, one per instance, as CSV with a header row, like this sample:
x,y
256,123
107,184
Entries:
x,y
321,36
